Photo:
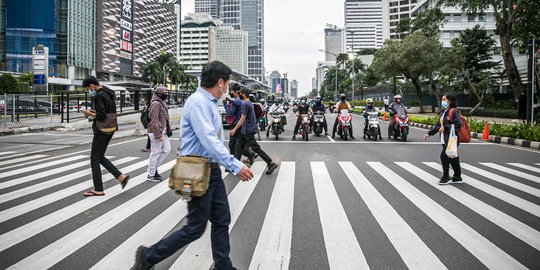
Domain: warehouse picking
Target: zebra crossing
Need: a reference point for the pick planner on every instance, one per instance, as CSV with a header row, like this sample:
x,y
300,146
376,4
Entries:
x,y
490,221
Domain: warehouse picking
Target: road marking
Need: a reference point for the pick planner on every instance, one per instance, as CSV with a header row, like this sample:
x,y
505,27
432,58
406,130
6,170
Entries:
x,y
503,180
299,141
30,229
53,197
156,229
497,217
341,244
527,167
55,181
485,251
60,249
512,171
17,160
497,193
37,167
415,253
273,250
330,138
42,174
7,153
198,255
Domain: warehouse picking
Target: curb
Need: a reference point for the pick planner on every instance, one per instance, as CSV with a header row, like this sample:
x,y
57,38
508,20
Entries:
x,y
493,138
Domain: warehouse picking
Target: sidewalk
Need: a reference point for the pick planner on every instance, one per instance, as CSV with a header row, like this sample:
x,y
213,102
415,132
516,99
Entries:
x,y
131,118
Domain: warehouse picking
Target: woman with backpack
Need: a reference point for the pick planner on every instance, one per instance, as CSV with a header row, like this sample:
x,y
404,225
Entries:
x,y
449,116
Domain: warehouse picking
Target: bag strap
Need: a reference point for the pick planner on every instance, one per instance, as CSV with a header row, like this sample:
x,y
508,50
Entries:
x,y
451,114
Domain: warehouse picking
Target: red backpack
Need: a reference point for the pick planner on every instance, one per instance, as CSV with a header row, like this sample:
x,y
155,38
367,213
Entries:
x,y
230,118
464,133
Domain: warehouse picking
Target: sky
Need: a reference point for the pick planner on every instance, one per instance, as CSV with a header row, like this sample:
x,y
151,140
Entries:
x,y
294,33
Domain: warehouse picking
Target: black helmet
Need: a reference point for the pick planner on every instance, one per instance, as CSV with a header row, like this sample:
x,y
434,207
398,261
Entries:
x,y
318,99
342,97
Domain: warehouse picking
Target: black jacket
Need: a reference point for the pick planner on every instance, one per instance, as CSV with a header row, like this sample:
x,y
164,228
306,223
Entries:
x,y
104,103
446,123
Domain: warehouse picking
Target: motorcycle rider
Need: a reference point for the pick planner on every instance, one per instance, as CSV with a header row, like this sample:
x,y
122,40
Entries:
x,y
393,110
369,108
319,106
277,107
302,108
342,105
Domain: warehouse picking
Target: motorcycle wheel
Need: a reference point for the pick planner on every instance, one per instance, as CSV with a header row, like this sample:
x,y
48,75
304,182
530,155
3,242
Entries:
x,y
396,134
404,135
306,133
373,134
346,134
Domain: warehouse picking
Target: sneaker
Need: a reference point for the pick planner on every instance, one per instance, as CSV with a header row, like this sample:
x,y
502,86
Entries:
x,y
140,261
294,137
271,168
445,180
154,179
157,175
326,134
456,180
252,158
352,137
145,150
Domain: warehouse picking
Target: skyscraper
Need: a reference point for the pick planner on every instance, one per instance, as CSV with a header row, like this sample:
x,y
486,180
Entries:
x,y
294,89
334,42
196,51
248,15
210,7
364,24
231,47
275,79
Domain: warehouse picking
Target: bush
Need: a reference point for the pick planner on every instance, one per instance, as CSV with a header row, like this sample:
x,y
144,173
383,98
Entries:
x,y
499,113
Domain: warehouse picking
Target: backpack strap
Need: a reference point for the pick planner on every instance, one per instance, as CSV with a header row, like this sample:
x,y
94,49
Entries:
x,y
451,114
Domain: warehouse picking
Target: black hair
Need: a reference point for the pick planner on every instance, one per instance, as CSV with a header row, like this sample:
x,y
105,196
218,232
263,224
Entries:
x,y
235,87
212,72
90,80
452,101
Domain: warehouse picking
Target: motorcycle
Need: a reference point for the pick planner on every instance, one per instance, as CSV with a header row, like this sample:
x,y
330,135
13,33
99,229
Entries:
x,y
262,122
276,126
318,122
304,128
331,109
344,124
401,125
374,129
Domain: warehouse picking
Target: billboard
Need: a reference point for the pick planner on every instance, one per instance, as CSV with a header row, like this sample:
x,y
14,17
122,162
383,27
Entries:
x,y
126,42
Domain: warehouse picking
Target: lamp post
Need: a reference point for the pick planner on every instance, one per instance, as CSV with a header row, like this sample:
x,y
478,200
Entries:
x,y
336,90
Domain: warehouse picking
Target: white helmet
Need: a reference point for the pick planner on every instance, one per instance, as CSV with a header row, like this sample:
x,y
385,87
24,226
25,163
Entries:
x,y
369,100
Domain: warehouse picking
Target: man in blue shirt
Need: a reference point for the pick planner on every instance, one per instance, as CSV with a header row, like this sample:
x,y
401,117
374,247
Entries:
x,y
202,135
234,109
248,128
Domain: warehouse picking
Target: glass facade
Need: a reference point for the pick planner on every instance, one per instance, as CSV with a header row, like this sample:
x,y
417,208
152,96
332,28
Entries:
x,y
36,26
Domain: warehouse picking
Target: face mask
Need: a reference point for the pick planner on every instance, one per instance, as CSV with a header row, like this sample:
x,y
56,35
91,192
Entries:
x,y
303,102
444,104
92,93
163,97
224,93
231,95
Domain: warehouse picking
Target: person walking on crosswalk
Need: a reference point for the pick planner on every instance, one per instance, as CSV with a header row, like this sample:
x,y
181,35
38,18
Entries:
x,y
103,103
443,127
159,131
202,135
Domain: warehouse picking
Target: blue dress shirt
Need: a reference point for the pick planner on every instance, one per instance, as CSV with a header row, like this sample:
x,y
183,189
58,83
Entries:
x,y
201,123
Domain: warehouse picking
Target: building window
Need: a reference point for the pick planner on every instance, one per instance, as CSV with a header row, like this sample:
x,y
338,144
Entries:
x,y
482,17
457,18
472,18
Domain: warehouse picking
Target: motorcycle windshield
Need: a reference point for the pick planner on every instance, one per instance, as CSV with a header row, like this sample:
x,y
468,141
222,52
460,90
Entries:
x,y
344,112
401,113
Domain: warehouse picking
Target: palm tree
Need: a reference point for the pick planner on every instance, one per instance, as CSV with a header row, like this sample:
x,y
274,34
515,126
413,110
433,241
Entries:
x,y
152,73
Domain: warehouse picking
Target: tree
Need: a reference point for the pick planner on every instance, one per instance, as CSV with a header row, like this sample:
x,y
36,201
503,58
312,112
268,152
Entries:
x,y
372,77
428,22
152,73
515,21
8,84
478,67
27,77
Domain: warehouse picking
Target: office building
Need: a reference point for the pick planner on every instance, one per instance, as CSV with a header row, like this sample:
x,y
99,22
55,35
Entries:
x,y
230,47
294,89
320,72
196,40
334,42
210,7
364,24
284,81
275,79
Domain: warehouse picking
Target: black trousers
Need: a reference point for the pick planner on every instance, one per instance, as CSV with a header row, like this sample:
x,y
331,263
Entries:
x,y
97,157
248,140
232,142
148,145
447,162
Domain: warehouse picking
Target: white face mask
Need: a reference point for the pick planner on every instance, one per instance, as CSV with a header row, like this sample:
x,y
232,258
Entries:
x,y
224,94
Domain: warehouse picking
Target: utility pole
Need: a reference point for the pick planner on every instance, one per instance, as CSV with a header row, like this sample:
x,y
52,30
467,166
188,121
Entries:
x,y
531,79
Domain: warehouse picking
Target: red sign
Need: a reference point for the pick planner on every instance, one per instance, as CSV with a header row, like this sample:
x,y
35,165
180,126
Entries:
x,y
126,46
126,35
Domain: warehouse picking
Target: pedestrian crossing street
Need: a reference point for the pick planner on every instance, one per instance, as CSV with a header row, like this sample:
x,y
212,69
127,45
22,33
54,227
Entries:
x,y
307,215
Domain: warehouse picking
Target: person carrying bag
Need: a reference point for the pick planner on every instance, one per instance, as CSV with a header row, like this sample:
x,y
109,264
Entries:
x,y
449,130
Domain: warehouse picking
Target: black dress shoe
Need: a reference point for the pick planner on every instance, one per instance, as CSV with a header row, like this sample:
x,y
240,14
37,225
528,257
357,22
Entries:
x,y
271,168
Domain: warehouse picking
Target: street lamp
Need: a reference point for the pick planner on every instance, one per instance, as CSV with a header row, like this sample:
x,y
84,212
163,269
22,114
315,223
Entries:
x,y
335,92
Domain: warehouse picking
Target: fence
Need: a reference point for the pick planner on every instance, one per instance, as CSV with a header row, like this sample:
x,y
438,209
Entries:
x,y
46,111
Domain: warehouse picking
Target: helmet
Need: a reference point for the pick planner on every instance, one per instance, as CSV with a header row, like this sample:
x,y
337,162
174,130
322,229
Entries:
x,y
369,101
262,101
318,99
397,98
342,97
251,97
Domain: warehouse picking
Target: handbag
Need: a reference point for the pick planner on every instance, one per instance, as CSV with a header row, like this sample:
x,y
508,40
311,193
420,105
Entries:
x,y
190,176
451,148
109,125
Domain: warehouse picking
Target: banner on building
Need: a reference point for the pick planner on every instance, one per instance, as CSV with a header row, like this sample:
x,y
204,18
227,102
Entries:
x,y
126,42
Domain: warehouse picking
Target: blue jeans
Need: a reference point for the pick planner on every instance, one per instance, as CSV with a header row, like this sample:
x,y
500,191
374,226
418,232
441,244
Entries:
x,y
212,206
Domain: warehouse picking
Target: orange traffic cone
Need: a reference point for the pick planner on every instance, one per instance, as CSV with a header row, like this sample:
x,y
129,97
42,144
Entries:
x,y
384,117
485,135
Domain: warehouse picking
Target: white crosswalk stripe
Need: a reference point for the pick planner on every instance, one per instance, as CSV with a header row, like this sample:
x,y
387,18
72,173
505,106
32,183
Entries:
x,y
342,247
526,167
273,247
489,254
7,153
22,159
512,171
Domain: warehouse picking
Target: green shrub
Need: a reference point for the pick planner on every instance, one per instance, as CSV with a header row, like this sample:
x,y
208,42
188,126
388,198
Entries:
x,y
498,113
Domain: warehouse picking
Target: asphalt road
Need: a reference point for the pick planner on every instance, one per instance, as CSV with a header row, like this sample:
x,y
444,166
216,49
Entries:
x,y
331,205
